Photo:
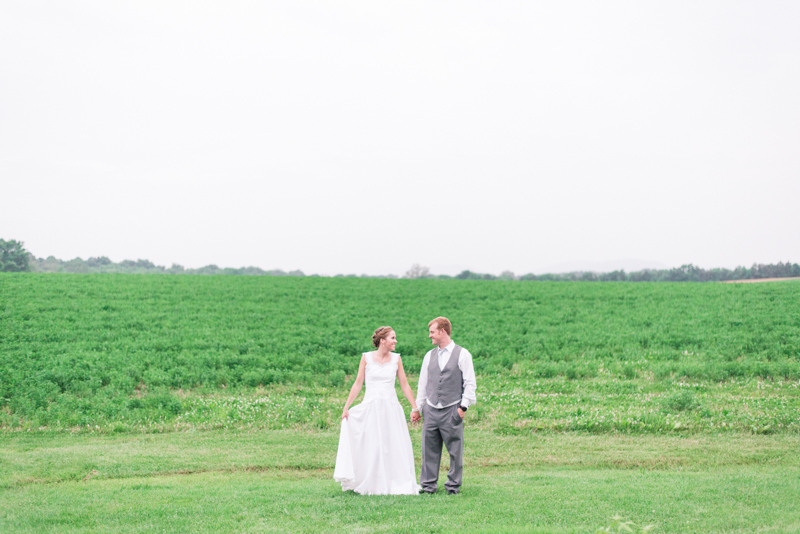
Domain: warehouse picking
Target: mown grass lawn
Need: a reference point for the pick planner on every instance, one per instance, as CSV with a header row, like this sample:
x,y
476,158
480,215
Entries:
x,y
278,481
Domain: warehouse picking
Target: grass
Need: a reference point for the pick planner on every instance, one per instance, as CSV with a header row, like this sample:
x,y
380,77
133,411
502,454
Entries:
x,y
240,481
514,404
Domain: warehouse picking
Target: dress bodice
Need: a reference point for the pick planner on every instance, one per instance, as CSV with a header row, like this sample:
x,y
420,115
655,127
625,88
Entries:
x,y
379,378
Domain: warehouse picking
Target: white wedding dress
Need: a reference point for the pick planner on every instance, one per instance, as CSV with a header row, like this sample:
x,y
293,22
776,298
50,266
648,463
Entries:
x,y
375,455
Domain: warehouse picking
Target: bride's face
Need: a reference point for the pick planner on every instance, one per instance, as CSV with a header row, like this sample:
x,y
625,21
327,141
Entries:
x,y
390,341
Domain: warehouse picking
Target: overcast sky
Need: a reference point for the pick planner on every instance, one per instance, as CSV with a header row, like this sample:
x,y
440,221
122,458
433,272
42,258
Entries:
x,y
363,137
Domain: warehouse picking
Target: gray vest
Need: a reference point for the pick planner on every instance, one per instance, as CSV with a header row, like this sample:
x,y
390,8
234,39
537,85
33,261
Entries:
x,y
445,385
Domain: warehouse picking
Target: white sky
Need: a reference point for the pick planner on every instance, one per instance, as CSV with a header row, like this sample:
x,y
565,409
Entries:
x,y
362,137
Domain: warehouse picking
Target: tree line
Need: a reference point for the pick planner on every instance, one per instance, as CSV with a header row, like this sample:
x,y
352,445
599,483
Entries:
x,y
104,265
14,258
684,273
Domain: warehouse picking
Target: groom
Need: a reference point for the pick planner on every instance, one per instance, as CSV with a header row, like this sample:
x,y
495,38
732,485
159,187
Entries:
x,y
446,389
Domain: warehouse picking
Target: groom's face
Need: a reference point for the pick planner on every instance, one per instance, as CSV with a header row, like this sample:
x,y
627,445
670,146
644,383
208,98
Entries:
x,y
436,334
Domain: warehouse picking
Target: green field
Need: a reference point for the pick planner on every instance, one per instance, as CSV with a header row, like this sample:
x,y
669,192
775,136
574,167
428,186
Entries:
x,y
211,404
120,352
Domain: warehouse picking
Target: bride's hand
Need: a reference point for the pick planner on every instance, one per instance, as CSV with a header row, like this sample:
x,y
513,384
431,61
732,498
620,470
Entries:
x,y
345,413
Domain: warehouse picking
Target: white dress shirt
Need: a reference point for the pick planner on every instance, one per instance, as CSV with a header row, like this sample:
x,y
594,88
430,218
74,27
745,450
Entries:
x,y
467,374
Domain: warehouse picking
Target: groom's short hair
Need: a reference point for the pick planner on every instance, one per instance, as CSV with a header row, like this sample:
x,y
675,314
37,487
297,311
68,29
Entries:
x,y
442,323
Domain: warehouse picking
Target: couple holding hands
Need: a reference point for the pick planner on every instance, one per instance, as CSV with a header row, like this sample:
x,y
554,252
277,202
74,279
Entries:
x,y
375,456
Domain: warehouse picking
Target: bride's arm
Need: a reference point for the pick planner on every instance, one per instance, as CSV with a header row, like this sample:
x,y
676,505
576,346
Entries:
x,y
401,375
356,389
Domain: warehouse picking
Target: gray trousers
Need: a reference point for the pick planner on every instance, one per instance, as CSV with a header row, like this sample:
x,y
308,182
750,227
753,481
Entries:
x,y
441,426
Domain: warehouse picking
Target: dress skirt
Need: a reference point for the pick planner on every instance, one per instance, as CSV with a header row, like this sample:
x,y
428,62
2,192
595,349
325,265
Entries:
x,y
375,455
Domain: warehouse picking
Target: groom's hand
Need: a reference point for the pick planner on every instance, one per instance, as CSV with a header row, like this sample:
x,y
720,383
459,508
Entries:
x,y
461,413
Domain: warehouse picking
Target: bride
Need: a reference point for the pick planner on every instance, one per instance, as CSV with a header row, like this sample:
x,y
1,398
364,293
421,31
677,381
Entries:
x,y
375,455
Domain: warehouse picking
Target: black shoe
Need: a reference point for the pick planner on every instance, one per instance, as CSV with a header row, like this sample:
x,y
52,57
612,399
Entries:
x,y
426,492
452,492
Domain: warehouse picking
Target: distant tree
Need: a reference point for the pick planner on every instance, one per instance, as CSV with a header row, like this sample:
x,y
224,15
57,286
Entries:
x,y
464,275
614,276
506,275
208,269
469,275
49,265
144,264
13,257
75,266
98,262
642,276
417,271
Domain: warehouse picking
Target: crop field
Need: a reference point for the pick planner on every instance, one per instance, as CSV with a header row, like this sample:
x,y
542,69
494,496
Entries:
x,y
139,403
113,353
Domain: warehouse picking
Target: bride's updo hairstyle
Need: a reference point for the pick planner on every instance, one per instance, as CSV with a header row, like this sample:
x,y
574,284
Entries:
x,y
381,333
